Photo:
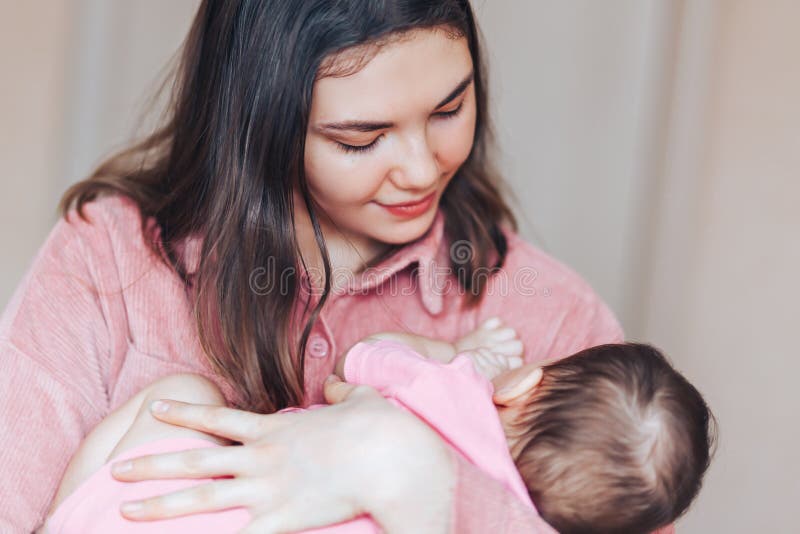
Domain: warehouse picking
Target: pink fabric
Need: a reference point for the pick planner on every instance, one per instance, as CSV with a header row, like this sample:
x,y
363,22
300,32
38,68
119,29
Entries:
x,y
97,317
93,508
454,399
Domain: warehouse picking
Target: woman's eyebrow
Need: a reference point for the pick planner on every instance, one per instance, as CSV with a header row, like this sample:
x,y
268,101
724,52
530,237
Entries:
x,y
371,126
462,85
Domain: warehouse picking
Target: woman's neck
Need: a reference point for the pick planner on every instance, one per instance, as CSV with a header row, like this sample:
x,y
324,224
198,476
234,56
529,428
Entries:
x,y
348,254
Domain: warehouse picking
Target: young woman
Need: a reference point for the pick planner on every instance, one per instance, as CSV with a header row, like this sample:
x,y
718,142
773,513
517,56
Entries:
x,y
323,174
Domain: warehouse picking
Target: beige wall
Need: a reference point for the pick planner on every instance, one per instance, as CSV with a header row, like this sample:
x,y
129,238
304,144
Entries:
x,y
731,280
653,145
580,91
121,51
76,75
33,59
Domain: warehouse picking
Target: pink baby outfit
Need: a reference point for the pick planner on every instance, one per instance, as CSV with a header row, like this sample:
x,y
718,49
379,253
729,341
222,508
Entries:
x,y
93,508
454,399
97,317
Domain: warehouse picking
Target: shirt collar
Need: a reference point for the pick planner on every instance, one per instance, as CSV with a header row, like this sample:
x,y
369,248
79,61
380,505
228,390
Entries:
x,y
427,252
429,255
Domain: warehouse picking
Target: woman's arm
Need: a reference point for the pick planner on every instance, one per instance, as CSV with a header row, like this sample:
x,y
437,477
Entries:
x,y
53,337
365,439
300,470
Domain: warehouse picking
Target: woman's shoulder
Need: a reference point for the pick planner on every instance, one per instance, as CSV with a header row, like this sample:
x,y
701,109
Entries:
x,y
111,214
538,271
110,232
553,308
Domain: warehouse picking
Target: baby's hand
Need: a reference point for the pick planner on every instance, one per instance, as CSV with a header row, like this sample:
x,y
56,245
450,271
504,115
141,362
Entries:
x,y
493,347
491,364
494,335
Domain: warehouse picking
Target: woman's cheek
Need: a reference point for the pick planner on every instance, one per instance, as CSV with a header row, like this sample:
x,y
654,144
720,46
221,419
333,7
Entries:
x,y
456,143
344,178
337,177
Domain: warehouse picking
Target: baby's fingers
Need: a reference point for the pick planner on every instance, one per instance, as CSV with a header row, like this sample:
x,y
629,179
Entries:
x,y
509,348
503,334
505,363
491,323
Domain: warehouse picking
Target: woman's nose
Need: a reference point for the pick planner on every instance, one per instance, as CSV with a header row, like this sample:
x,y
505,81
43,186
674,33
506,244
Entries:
x,y
417,167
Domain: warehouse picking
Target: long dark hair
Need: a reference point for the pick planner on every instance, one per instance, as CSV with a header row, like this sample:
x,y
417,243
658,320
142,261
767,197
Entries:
x,y
230,153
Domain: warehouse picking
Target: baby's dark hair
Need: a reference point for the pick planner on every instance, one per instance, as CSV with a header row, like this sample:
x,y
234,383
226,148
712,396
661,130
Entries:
x,y
614,440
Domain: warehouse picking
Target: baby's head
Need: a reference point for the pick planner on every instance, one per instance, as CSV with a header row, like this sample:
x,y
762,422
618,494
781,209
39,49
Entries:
x,y
611,439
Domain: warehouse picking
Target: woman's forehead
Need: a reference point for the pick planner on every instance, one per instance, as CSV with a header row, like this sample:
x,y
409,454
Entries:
x,y
407,75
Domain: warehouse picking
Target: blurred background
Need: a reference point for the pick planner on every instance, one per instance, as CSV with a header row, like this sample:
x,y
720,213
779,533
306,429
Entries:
x,y
653,145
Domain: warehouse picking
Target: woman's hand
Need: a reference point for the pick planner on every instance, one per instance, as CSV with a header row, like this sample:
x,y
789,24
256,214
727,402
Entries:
x,y
300,470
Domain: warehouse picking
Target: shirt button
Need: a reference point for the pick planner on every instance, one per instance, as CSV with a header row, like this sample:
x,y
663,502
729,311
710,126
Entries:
x,y
317,346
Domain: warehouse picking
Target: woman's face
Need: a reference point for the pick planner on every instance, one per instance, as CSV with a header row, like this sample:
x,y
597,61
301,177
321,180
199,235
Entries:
x,y
383,143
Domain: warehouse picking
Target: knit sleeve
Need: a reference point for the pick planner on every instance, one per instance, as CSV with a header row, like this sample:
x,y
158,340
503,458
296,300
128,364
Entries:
x,y
53,341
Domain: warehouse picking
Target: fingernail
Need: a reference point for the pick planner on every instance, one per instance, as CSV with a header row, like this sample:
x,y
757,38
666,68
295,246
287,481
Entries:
x,y
159,407
131,508
122,467
331,379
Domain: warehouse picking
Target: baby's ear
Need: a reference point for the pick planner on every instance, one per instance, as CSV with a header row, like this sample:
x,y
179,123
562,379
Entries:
x,y
514,386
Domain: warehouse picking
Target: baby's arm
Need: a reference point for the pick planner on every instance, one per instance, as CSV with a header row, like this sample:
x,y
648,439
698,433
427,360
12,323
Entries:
x,y
434,349
492,346
430,348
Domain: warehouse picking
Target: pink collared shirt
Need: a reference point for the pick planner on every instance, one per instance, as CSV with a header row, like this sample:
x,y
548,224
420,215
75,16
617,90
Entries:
x,y
97,317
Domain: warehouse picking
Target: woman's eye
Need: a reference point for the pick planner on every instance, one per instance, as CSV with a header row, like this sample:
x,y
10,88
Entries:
x,y
451,113
366,148
358,148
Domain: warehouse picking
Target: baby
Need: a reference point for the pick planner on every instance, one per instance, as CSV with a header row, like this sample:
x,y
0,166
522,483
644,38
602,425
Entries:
x,y
611,439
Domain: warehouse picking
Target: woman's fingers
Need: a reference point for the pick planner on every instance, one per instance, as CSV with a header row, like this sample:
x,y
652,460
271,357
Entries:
x,y
308,472
211,497
235,425
193,463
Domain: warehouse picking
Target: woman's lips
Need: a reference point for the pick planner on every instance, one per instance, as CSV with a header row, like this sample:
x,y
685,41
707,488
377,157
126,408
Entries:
x,y
410,209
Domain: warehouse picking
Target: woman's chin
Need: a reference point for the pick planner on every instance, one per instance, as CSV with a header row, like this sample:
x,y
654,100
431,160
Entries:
x,y
398,231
